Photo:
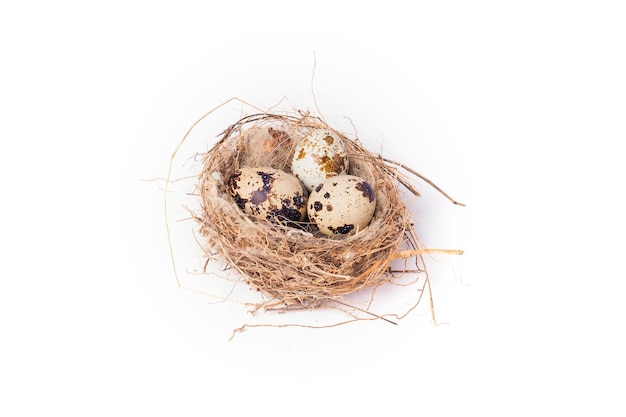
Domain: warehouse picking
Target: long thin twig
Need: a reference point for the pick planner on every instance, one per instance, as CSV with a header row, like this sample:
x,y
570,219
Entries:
x,y
423,178
364,311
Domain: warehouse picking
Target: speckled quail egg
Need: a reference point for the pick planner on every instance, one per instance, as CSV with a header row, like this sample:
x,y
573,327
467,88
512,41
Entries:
x,y
268,193
342,205
318,156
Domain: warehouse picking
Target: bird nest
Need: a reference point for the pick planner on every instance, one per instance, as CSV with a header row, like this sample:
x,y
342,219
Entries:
x,y
294,265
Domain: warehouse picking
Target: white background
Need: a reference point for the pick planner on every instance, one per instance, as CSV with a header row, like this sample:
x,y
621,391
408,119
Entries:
x,y
515,108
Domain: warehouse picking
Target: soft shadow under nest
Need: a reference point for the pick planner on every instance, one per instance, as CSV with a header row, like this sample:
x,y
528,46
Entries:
x,y
298,266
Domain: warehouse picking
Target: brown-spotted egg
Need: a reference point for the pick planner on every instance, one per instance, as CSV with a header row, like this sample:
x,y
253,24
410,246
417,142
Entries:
x,y
318,156
268,193
342,205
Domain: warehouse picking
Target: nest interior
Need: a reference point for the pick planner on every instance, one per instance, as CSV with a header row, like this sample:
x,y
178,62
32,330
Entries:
x,y
297,266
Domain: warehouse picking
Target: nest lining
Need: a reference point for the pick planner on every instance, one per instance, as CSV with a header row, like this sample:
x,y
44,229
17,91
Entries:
x,y
298,266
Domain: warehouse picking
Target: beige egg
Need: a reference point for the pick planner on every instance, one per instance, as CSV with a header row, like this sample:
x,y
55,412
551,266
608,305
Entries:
x,y
342,205
268,193
318,156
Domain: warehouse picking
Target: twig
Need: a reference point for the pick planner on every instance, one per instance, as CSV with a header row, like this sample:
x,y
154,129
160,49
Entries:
x,y
423,178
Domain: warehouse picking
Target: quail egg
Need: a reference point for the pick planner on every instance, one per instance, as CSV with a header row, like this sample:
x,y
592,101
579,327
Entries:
x,y
318,156
342,205
268,193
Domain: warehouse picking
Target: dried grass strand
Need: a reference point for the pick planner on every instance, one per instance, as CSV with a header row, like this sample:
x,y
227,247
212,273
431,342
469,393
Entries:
x,y
423,178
